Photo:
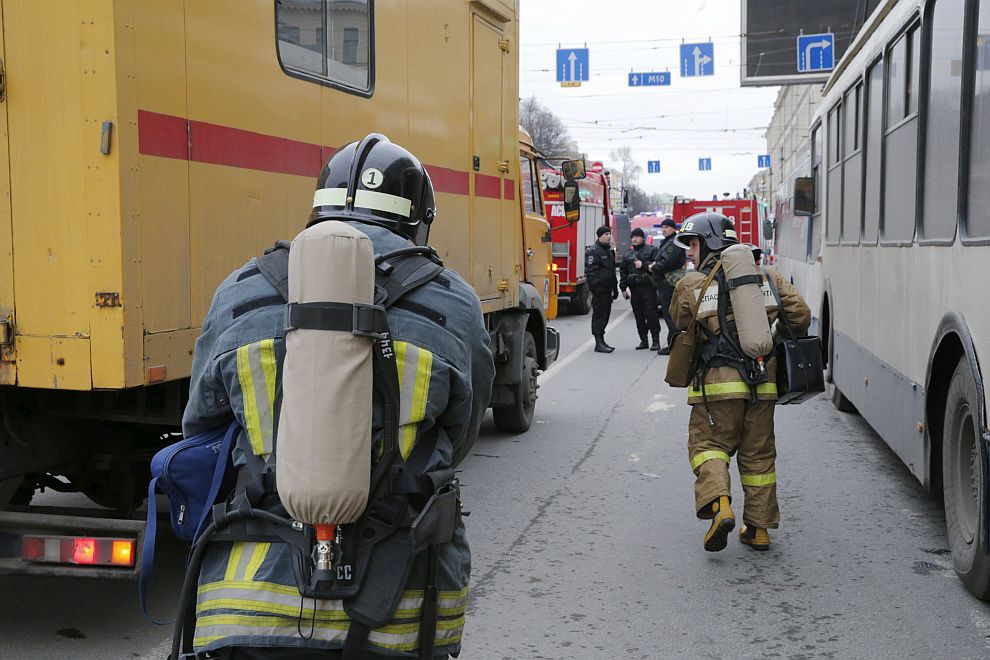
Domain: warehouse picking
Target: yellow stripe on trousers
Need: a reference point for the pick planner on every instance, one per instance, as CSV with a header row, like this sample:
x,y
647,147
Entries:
x,y
758,479
738,387
706,456
256,371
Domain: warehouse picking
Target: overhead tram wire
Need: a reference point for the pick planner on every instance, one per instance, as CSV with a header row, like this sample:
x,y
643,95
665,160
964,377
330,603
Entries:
x,y
675,40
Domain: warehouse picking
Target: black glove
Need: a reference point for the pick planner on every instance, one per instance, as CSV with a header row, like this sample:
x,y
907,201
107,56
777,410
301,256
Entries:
x,y
615,294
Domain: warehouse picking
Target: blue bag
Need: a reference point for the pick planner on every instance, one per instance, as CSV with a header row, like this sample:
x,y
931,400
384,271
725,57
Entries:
x,y
193,473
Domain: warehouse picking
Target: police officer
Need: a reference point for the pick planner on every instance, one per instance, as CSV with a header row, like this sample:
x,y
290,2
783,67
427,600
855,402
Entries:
x,y
248,604
635,283
728,415
599,268
667,270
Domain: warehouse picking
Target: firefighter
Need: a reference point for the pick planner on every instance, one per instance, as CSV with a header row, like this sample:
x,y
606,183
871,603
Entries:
x,y
728,415
248,603
599,268
667,270
635,283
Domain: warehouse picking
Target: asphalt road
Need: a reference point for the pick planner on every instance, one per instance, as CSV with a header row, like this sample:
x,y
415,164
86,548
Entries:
x,y
585,543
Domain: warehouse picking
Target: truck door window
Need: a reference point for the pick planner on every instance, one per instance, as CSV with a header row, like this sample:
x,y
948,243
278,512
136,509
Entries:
x,y
330,42
530,183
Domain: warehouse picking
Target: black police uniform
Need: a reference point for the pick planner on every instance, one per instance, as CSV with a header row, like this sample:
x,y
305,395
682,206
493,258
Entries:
x,y
668,258
642,293
599,268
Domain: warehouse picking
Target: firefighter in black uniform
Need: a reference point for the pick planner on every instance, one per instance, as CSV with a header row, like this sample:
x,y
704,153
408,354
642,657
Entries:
x,y
635,283
667,270
599,268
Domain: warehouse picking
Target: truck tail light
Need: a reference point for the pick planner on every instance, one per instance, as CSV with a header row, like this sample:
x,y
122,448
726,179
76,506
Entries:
x,y
80,550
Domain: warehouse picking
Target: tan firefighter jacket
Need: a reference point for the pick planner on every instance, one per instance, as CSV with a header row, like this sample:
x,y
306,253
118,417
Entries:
x,y
725,382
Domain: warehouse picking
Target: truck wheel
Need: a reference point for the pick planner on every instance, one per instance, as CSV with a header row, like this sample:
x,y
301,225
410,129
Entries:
x,y
517,417
581,301
962,476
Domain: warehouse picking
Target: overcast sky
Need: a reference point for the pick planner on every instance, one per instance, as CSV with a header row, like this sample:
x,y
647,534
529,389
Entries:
x,y
710,117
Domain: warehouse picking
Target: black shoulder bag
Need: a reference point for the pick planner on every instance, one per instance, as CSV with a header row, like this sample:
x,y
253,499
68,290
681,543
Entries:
x,y
799,360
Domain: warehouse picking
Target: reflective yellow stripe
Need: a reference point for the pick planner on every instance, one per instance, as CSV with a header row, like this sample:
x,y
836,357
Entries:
x,y
738,387
233,560
758,479
707,456
256,372
415,367
258,556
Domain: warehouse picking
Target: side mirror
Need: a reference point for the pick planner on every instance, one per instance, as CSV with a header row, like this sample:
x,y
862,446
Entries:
x,y
572,170
804,195
767,228
572,201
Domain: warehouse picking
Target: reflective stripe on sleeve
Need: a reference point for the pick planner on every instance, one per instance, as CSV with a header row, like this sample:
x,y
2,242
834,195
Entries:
x,y
415,367
758,479
256,371
706,456
738,387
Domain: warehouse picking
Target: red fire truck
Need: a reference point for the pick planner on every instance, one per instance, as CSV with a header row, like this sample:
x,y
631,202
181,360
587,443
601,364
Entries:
x,y
747,214
571,238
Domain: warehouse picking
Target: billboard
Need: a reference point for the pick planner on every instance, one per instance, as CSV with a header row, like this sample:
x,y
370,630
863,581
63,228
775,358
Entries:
x,y
786,42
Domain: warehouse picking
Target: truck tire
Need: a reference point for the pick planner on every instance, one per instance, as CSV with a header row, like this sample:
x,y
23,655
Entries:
x,y
580,302
962,478
518,417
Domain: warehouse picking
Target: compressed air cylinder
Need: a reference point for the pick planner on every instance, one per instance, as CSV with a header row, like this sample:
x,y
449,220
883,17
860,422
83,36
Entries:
x,y
323,468
748,305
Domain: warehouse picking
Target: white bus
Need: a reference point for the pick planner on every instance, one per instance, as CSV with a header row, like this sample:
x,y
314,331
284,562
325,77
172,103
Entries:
x,y
900,171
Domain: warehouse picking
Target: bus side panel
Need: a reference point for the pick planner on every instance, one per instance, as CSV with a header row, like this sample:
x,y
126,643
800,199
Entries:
x,y
64,194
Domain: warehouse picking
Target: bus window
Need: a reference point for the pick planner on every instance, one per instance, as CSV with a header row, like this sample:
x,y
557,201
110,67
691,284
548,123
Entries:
x,y
940,189
900,145
327,41
833,207
871,139
852,176
977,220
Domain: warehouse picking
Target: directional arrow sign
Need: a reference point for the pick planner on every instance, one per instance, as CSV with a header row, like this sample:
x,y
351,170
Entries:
x,y
704,164
763,160
651,79
572,64
815,52
653,167
697,60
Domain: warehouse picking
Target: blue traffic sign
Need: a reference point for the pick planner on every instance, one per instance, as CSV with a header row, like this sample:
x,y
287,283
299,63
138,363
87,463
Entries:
x,y
653,167
651,79
704,164
572,64
697,60
815,52
763,160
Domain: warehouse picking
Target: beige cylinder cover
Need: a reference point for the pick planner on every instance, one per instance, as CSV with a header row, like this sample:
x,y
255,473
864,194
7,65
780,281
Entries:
x,y
324,433
748,305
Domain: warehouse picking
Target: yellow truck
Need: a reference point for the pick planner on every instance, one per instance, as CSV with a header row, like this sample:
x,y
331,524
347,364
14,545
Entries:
x,y
151,147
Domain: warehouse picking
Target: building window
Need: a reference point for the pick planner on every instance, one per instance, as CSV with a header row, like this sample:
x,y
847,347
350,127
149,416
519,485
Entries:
x,y
342,52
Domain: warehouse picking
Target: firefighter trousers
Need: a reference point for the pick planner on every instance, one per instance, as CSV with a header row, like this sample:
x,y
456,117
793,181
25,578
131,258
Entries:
x,y
745,429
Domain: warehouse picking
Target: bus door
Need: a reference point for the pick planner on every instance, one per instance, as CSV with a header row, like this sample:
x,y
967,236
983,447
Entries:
x,y
491,232
8,363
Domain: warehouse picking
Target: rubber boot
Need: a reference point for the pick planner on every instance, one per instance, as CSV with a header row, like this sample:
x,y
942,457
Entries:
x,y
655,346
757,538
642,344
601,346
724,522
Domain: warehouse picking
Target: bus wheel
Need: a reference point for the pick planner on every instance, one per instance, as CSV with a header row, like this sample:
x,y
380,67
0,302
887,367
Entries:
x,y
962,476
517,417
580,301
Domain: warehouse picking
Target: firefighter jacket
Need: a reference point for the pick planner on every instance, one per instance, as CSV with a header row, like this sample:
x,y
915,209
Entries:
x,y
629,275
599,267
668,262
247,591
725,382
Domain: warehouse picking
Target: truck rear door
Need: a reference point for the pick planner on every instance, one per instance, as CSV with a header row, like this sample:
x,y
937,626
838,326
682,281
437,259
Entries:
x,y
8,364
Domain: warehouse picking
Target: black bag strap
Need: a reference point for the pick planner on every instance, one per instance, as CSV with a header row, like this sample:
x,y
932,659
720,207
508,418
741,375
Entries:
x,y
274,267
780,306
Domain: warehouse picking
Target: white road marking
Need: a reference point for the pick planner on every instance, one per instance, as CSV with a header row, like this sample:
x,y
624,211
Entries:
x,y
634,459
659,405
559,365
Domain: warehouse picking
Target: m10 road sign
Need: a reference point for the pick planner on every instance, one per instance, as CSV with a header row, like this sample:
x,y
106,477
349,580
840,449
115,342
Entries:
x,y
651,79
